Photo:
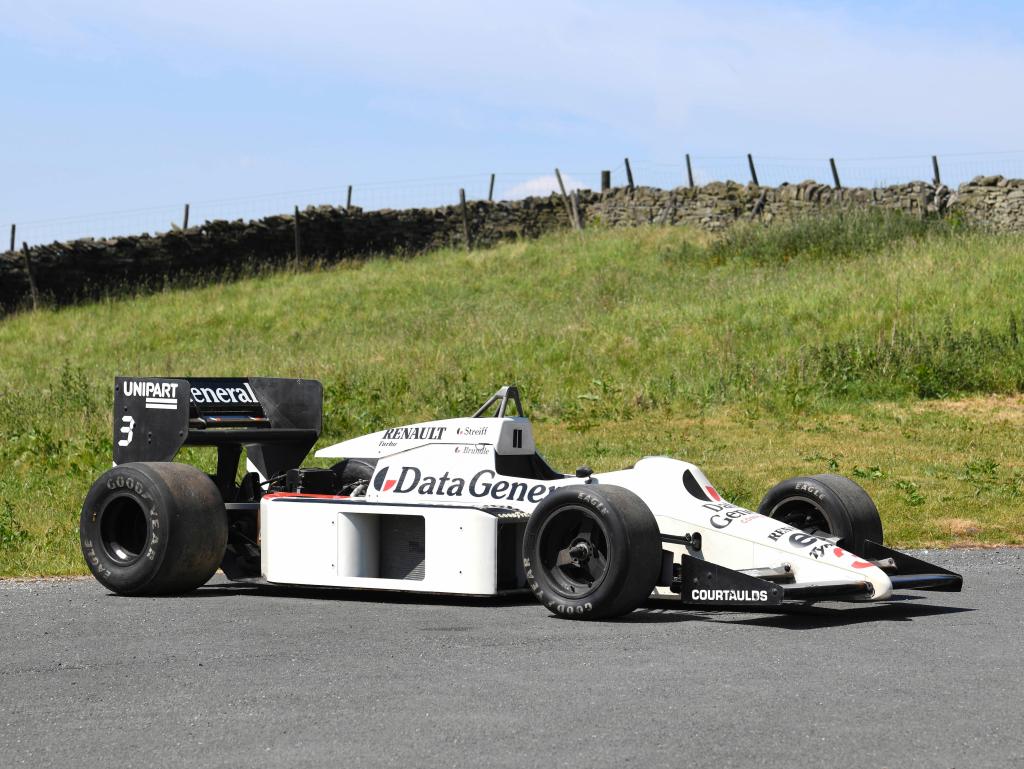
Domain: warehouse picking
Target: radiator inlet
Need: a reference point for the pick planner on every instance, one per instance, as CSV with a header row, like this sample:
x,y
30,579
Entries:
x,y
402,547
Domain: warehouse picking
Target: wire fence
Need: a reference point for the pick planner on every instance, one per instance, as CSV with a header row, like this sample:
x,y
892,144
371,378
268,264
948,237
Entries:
x,y
852,171
499,185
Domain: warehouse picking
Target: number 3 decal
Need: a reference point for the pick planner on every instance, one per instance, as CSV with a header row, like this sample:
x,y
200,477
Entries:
x,y
127,430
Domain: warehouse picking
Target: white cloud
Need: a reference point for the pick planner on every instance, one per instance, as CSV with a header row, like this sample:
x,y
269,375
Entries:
x,y
539,186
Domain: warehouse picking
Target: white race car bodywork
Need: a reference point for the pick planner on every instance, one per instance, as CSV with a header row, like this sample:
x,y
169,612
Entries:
x,y
452,486
455,506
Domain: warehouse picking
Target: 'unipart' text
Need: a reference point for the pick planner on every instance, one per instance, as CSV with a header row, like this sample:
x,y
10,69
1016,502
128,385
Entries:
x,y
150,389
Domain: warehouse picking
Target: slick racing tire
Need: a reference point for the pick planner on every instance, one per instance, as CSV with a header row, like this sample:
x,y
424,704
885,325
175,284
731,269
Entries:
x,y
153,528
825,504
592,552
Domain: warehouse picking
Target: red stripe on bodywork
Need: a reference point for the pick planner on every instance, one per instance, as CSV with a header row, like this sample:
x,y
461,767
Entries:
x,y
295,494
388,485
713,493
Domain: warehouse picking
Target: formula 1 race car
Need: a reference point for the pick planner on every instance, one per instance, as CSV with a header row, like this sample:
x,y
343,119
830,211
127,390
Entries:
x,y
461,506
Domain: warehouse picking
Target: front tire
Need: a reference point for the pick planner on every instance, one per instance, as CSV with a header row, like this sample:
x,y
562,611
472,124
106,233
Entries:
x,y
153,528
825,504
592,552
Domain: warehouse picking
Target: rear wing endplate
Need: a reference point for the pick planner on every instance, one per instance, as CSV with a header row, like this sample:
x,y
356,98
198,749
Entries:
x,y
276,421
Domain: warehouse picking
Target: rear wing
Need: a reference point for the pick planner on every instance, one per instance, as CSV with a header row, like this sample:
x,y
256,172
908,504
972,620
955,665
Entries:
x,y
276,421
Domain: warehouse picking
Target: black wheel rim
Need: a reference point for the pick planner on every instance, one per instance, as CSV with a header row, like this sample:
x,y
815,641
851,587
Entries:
x,y
124,530
574,551
804,514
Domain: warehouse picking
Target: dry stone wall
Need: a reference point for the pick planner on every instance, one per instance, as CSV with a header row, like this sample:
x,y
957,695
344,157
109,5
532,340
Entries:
x,y
67,272
720,204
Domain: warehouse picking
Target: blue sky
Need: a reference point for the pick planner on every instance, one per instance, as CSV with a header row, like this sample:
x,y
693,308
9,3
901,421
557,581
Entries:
x,y
119,106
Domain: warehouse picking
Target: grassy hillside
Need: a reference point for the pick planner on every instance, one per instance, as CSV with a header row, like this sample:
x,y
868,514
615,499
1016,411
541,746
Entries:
x,y
882,347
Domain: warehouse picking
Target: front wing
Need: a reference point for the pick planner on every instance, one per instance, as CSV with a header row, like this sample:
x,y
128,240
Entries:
x,y
700,582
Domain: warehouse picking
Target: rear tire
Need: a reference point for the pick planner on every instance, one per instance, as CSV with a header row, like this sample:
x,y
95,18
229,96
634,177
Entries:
x,y
153,528
825,504
592,552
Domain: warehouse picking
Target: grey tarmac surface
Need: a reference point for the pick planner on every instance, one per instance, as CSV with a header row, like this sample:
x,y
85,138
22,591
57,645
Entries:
x,y
239,677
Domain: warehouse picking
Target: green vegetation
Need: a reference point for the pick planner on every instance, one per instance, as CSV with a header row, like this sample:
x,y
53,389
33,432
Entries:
x,y
883,347
857,232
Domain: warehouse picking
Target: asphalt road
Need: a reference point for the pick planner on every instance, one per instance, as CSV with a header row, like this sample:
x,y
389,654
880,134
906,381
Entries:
x,y
239,677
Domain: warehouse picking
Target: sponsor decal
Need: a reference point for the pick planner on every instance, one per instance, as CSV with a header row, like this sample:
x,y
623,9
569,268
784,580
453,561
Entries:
x,y
819,550
411,480
714,494
538,591
479,449
150,389
820,546
797,538
801,539
750,596
381,482
224,395
93,558
472,431
414,433
565,608
120,482
811,489
158,395
725,513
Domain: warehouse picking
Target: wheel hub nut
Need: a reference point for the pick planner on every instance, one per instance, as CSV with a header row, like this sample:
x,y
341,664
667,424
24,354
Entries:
x,y
580,551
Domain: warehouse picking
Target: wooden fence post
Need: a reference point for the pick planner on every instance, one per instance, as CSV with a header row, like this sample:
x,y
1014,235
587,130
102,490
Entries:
x,y
565,199
753,171
577,218
935,171
689,170
298,242
629,175
465,217
759,205
490,191
835,174
348,199
606,181
184,219
33,289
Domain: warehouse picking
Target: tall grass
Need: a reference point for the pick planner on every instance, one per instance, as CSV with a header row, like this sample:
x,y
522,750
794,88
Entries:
x,y
928,364
840,234
603,331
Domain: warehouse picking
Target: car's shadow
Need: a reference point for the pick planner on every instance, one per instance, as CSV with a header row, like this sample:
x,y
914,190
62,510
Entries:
x,y
794,616
358,595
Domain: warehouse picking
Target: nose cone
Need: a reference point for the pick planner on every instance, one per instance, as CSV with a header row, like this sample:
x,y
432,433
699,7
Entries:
x,y
880,582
